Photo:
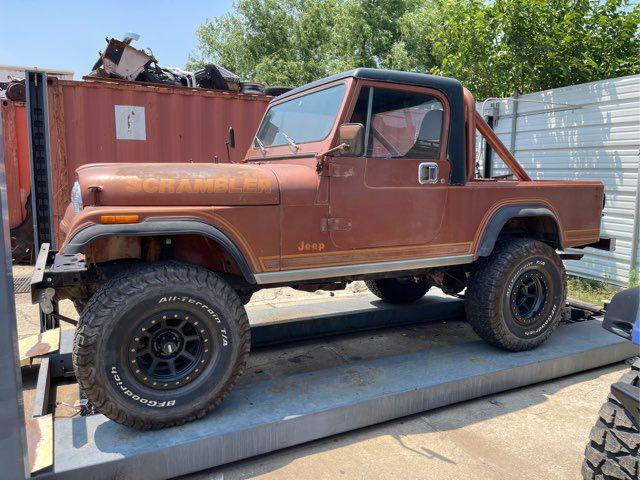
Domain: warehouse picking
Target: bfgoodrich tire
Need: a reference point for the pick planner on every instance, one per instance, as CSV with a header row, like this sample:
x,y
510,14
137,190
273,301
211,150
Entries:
x,y
161,345
398,290
613,451
515,297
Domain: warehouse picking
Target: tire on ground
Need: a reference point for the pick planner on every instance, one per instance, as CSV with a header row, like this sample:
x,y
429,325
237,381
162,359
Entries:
x,y
161,345
613,450
515,297
398,290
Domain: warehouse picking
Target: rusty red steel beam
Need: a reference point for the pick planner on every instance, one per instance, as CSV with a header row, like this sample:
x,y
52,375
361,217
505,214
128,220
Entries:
x,y
500,148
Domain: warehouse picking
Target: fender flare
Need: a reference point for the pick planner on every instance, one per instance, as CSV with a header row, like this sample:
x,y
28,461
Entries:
x,y
84,237
506,213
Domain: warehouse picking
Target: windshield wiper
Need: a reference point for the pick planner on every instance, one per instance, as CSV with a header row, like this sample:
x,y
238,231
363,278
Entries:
x,y
294,146
261,145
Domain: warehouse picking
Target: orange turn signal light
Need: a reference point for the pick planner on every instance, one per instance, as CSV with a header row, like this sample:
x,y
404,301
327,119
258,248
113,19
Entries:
x,y
119,218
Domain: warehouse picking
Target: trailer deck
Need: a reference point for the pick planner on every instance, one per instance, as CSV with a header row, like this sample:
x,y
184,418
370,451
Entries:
x,y
325,371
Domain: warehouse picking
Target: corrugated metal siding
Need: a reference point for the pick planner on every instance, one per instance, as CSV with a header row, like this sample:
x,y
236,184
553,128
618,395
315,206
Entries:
x,y
597,137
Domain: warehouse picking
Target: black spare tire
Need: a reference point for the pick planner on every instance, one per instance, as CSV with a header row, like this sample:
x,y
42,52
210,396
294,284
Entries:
x,y
398,290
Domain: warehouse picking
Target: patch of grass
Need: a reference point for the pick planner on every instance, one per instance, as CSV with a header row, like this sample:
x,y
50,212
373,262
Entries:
x,y
590,291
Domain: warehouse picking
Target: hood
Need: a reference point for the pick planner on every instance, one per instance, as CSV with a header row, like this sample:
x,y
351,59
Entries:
x,y
154,184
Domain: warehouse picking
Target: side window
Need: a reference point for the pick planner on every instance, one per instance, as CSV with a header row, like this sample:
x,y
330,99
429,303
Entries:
x,y
399,124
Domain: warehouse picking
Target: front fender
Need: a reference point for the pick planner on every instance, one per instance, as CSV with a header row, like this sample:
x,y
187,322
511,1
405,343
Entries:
x,y
149,228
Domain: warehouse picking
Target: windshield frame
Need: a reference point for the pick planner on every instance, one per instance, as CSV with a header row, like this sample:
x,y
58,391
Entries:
x,y
308,148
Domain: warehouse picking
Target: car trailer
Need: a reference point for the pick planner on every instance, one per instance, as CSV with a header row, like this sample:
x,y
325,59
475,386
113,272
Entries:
x,y
320,368
317,369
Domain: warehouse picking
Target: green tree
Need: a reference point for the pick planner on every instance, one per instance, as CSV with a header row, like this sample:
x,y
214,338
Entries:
x,y
280,42
365,32
491,46
296,41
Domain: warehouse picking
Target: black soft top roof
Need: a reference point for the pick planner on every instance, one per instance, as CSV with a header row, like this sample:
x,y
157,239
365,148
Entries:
x,y
450,87
444,84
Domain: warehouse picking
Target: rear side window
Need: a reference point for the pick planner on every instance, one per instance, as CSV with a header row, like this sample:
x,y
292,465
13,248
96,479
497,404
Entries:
x,y
399,124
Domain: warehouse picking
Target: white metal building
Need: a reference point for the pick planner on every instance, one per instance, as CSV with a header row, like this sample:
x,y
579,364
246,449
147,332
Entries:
x,y
588,131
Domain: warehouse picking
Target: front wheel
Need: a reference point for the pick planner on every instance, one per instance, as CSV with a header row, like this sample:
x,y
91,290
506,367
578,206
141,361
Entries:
x,y
398,290
161,345
515,297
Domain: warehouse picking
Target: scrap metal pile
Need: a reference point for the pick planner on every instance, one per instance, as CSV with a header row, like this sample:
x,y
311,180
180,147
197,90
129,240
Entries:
x,y
121,60
14,90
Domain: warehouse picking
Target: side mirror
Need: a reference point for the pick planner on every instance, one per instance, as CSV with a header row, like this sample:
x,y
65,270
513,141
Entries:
x,y
352,136
232,138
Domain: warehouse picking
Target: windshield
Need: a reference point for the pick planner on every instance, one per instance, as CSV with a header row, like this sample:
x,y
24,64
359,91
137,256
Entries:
x,y
304,119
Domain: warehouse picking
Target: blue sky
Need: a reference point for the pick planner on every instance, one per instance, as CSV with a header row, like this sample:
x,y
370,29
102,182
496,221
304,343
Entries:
x,y
68,34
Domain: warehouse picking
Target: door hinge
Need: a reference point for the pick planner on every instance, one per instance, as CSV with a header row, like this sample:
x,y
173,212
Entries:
x,y
333,224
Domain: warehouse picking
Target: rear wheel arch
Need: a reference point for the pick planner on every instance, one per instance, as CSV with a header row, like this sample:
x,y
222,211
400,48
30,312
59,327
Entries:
x,y
535,221
161,229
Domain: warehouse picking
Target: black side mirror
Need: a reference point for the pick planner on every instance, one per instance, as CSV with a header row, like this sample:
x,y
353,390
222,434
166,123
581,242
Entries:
x,y
232,138
352,136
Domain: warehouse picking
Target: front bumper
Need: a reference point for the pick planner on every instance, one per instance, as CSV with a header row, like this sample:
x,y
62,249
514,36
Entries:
x,y
54,271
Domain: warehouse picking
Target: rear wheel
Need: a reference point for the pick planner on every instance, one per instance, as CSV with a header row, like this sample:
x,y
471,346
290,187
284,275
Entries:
x,y
515,296
398,290
161,345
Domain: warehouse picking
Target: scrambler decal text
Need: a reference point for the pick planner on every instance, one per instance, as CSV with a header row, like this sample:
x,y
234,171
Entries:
x,y
199,185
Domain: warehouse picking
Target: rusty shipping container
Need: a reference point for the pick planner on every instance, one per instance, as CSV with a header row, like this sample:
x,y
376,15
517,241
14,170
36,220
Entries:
x,y
15,148
96,121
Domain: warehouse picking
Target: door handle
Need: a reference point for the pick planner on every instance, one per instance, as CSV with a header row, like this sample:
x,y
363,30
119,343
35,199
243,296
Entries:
x,y
428,172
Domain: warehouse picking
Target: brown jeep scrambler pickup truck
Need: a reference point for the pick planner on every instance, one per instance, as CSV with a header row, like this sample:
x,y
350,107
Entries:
x,y
366,175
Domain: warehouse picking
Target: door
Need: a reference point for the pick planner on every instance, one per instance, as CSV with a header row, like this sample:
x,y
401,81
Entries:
x,y
395,194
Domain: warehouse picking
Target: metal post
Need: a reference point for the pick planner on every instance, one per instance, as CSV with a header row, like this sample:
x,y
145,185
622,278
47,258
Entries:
x,y
488,152
13,443
635,241
514,121
41,175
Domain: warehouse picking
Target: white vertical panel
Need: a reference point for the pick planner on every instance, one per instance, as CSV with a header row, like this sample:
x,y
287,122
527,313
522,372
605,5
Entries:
x,y
591,132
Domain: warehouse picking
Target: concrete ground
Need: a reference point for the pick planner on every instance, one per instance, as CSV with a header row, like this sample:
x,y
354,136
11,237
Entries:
x,y
538,432
535,432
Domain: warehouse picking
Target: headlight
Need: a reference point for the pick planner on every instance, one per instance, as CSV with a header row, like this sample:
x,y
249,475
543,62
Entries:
x,y
76,197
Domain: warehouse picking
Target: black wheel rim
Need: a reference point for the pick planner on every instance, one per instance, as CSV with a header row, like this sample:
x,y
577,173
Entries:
x,y
170,349
528,297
